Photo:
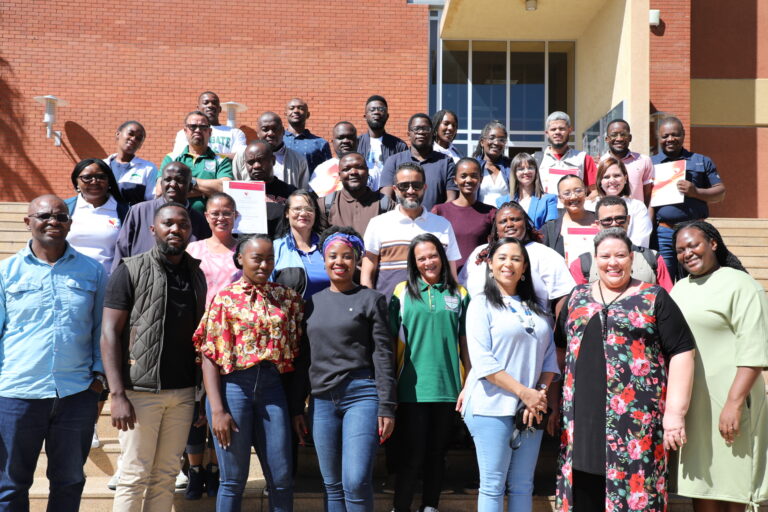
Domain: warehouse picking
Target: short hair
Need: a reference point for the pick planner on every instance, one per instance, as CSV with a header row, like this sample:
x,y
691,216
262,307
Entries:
x,y
242,242
613,233
207,92
446,277
529,161
129,123
184,168
354,153
112,188
220,195
672,120
345,122
438,118
614,121
487,129
411,166
376,97
419,115
261,142
611,201
170,204
194,113
271,114
557,116
606,164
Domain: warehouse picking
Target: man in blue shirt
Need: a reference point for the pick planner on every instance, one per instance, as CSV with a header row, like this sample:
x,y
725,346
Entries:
x,y
298,138
702,185
50,363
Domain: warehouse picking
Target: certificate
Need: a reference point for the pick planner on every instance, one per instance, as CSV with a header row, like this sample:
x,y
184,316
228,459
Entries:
x,y
251,200
325,178
665,190
554,177
577,241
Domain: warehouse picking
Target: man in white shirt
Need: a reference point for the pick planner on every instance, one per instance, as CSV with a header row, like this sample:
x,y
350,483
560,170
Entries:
x,y
225,140
389,235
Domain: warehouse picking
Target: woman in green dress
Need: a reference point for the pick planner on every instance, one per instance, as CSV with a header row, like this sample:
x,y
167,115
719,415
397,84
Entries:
x,y
723,466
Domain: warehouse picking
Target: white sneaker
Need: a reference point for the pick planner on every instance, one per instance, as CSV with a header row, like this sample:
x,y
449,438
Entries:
x,y
113,481
182,480
429,509
95,443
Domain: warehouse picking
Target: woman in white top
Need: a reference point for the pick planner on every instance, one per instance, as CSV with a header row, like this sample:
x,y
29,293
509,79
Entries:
x,y
613,180
97,211
135,176
513,360
490,153
446,126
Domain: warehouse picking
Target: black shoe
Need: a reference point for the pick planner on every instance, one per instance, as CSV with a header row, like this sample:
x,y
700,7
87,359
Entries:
x,y
196,483
212,480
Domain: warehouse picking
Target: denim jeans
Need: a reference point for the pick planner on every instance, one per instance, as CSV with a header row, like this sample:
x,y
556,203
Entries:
x,y
345,432
501,467
667,250
255,398
65,425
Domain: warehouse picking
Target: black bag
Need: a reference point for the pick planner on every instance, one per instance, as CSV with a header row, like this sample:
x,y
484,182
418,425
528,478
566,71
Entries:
x,y
522,427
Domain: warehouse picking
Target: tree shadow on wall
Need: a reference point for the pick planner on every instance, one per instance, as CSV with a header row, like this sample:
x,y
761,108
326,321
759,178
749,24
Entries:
x,y
22,179
82,144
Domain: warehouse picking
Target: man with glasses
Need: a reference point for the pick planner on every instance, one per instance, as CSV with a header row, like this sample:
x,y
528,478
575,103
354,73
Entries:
x,y
135,236
639,167
438,167
376,145
51,373
558,159
225,140
389,235
647,265
259,163
208,168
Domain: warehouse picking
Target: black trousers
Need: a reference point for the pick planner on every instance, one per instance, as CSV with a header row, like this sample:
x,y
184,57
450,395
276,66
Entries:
x,y
425,431
588,492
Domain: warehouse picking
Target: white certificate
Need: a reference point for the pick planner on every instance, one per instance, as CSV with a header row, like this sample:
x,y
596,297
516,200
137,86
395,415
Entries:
x,y
577,241
251,200
665,182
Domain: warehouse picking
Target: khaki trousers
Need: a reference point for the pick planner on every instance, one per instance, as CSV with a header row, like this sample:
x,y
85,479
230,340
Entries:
x,y
151,452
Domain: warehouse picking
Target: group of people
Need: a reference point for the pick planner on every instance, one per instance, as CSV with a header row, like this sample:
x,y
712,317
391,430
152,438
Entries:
x,y
397,286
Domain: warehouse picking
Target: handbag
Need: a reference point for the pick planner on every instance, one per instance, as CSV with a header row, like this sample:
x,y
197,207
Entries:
x,y
521,425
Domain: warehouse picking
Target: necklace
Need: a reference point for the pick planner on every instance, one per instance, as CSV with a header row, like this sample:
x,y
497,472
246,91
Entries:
x,y
527,323
606,307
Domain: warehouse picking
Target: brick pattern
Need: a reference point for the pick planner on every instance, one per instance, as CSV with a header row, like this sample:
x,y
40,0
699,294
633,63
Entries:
x,y
149,61
670,60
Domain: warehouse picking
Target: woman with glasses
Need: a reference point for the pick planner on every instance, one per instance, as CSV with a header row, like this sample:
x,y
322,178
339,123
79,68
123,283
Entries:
x,y
298,259
446,126
572,191
723,467
513,363
525,189
613,180
135,176
629,359
216,255
97,211
495,164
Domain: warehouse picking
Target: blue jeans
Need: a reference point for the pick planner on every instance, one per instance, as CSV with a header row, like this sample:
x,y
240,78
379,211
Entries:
x,y
667,250
256,400
501,467
65,425
345,431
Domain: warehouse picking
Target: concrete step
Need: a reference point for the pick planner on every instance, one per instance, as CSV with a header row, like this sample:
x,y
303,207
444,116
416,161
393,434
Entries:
x,y
21,208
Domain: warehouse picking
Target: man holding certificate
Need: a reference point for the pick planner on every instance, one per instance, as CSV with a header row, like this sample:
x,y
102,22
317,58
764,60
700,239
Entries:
x,y
685,184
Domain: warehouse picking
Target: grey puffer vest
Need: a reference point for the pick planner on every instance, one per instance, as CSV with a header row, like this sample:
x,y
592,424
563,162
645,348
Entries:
x,y
142,339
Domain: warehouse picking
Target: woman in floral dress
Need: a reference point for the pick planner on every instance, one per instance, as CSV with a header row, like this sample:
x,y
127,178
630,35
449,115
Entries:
x,y
247,338
627,384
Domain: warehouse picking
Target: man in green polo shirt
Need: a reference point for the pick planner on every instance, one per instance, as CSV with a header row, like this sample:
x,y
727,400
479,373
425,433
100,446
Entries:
x,y
209,170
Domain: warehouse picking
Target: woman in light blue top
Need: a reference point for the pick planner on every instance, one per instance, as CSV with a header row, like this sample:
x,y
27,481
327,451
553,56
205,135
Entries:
x,y
513,360
525,188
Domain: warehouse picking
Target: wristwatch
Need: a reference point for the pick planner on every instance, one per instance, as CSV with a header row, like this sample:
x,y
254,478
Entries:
x,y
101,378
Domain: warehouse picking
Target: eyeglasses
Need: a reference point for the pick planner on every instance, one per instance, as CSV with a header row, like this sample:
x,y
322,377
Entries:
x,y
619,220
92,177
420,129
196,127
377,109
301,209
405,185
226,214
46,216
500,140
573,193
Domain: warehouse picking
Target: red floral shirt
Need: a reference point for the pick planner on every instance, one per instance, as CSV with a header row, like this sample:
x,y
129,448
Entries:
x,y
246,324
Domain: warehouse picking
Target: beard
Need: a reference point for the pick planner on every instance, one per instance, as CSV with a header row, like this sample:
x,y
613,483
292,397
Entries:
x,y
376,124
409,203
170,250
560,145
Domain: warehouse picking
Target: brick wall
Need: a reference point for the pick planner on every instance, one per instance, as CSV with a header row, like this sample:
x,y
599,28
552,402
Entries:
x,y
670,60
149,61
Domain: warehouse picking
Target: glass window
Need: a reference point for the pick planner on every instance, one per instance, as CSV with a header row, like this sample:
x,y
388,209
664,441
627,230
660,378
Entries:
x,y
433,42
526,79
455,76
489,82
561,73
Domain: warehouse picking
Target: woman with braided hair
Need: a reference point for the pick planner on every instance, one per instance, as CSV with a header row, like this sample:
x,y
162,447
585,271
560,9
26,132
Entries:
x,y
723,465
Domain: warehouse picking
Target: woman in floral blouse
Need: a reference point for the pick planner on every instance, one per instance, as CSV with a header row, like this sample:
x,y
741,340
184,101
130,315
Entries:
x,y
249,336
627,385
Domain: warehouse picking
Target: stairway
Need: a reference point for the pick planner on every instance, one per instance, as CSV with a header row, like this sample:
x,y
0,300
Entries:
x,y
748,240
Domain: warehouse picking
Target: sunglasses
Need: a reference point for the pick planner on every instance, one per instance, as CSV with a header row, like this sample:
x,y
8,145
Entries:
x,y
195,127
46,216
619,220
405,185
